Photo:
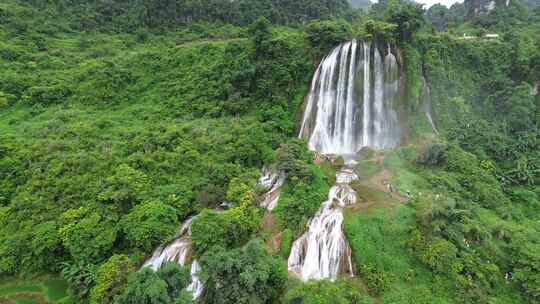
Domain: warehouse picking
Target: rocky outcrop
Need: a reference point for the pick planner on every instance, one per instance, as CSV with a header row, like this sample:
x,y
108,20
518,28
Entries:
x,y
360,3
477,8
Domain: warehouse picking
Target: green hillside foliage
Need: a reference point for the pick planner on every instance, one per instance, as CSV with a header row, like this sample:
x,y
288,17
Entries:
x,y
121,16
119,120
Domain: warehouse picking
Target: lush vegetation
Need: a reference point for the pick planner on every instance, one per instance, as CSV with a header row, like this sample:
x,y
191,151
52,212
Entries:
x,y
121,119
47,289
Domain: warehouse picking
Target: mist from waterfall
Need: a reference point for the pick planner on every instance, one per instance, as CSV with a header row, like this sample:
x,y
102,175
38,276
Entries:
x,y
352,100
427,106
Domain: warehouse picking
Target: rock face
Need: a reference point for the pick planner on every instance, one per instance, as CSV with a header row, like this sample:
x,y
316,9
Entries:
x,y
360,3
477,8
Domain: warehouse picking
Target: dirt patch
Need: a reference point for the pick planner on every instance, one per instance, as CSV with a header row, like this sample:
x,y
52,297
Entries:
x,y
269,223
375,190
13,298
381,182
203,41
270,227
273,243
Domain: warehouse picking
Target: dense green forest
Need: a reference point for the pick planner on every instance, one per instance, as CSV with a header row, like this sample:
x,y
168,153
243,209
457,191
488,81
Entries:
x,y
119,120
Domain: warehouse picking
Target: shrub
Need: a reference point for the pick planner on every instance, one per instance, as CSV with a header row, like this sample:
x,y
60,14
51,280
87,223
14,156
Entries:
x,y
111,279
176,277
5,99
149,224
300,200
162,287
46,95
293,158
124,186
439,255
251,275
87,235
432,156
324,35
145,286
228,229
322,292
80,277
377,279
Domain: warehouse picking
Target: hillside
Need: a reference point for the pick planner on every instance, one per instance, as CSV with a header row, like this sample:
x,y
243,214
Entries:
x,y
268,152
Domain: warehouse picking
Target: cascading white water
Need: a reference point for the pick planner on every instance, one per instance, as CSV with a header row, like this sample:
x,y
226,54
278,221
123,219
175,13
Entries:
x,y
427,106
352,101
179,251
351,105
196,287
273,182
323,252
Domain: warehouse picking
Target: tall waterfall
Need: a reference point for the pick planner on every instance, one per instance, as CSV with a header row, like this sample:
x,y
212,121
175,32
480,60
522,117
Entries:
x,y
351,104
352,100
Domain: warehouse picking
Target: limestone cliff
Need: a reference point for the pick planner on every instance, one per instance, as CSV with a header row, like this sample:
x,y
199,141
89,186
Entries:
x,y
478,8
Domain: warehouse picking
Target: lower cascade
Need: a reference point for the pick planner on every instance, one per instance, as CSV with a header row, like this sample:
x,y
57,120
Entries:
x,y
180,251
323,252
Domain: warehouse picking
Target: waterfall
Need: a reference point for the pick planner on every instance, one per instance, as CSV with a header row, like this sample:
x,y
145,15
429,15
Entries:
x,y
323,252
351,104
352,101
179,251
426,106
272,182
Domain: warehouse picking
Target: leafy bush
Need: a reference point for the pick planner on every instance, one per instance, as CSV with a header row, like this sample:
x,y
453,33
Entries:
x,y
46,245
111,279
176,277
162,287
149,224
293,158
439,255
377,280
322,292
252,275
379,30
46,95
5,99
325,35
124,187
240,187
300,200
432,156
81,279
228,229
87,235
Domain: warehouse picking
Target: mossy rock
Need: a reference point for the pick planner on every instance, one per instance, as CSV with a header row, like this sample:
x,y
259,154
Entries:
x,y
366,153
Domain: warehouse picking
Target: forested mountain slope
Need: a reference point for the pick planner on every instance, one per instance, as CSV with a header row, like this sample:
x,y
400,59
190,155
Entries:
x,y
121,120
